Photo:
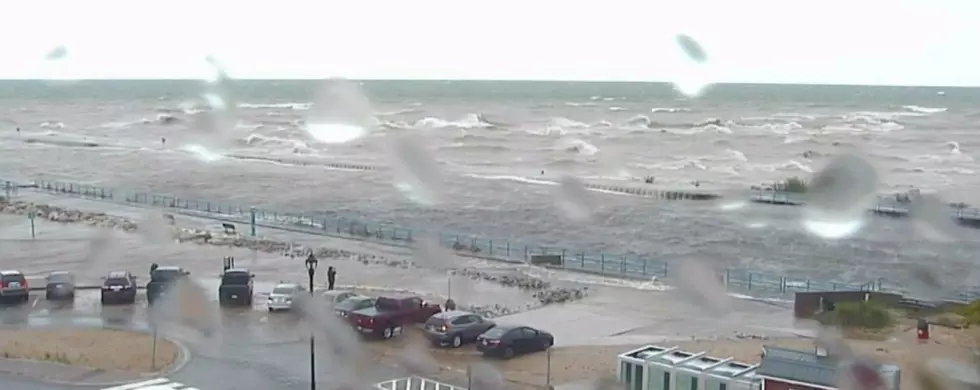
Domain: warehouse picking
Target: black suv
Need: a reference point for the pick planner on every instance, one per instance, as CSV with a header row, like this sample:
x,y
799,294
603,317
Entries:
x,y
161,278
119,287
13,287
236,285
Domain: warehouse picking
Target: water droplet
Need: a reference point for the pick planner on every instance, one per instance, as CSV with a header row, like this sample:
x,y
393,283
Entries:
x,y
483,376
573,199
697,281
57,53
861,374
691,48
692,80
416,173
341,112
838,196
930,217
215,129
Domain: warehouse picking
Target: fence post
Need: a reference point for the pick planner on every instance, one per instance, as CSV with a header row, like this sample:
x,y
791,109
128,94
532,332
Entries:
x,y
251,220
602,261
583,260
489,247
750,280
525,253
666,265
645,267
622,265
508,249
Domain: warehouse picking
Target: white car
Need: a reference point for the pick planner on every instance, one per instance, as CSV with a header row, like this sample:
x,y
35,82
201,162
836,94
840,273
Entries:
x,y
285,295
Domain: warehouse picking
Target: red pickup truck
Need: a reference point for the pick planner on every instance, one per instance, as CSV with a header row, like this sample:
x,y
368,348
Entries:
x,y
389,316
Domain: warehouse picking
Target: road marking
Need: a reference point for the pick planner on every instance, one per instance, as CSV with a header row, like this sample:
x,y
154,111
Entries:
x,y
34,302
153,384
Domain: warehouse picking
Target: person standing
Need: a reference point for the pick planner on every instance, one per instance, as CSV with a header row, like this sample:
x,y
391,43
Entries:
x,y
331,277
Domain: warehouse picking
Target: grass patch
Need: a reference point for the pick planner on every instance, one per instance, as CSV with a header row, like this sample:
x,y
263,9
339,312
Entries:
x,y
110,350
860,315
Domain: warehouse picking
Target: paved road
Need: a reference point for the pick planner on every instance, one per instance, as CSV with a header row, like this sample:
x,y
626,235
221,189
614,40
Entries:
x,y
253,350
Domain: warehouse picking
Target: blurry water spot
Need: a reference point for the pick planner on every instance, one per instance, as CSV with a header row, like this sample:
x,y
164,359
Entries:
x,y
692,80
416,359
429,253
961,373
860,374
340,113
573,200
925,283
702,285
692,48
56,54
838,196
931,218
416,173
203,153
482,376
157,228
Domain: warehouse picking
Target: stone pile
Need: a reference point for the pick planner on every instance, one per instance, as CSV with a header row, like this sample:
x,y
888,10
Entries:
x,y
543,291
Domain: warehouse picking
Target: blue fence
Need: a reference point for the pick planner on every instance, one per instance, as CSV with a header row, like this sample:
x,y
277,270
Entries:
x,y
498,249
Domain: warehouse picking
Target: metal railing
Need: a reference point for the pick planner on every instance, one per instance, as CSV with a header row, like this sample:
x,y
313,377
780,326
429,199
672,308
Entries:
x,y
468,245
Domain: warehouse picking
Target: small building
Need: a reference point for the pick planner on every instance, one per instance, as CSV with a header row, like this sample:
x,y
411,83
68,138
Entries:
x,y
790,369
656,367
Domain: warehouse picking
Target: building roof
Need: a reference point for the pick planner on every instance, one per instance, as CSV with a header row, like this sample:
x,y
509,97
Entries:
x,y
800,366
692,361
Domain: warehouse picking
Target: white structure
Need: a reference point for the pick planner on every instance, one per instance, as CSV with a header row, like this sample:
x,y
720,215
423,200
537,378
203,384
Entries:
x,y
669,368
415,383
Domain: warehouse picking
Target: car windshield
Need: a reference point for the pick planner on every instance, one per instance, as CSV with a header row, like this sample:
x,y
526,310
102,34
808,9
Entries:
x,y
235,278
283,290
61,278
117,282
164,275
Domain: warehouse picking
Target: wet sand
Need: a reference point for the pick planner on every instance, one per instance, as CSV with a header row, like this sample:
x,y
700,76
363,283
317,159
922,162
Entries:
x,y
110,350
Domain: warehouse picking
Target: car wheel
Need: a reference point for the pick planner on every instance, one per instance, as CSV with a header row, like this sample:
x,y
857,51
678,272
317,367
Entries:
x,y
47,296
388,332
457,341
508,353
102,299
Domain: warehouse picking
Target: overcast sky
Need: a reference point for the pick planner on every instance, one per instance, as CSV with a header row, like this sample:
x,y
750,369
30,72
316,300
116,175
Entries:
x,y
914,42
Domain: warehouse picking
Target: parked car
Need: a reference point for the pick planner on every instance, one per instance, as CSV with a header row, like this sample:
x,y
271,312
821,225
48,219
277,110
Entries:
x,y
333,297
119,287
389,316
59,285
13,287
454,328
509,341
161,279
286,296
236,287
352,304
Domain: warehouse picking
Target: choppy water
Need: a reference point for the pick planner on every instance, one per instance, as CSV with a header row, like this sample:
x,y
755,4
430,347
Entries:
x,y
494,140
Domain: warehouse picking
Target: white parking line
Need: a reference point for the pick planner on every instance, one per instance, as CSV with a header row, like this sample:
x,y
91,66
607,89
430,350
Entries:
x,y
153,384
35,301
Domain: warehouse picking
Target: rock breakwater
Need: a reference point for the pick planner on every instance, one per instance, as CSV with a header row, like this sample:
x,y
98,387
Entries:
x,y
542,290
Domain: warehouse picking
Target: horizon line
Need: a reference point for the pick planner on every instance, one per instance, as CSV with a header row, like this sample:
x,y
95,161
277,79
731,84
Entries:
x,y
507,81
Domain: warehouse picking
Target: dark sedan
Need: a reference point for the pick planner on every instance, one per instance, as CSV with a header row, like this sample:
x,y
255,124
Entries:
x,y
119,287
59,285
509,341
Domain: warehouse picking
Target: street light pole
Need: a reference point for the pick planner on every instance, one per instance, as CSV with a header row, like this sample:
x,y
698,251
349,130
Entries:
x,y
311,263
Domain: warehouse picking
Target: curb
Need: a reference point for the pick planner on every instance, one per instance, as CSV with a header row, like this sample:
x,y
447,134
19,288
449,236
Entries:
x,y
182,360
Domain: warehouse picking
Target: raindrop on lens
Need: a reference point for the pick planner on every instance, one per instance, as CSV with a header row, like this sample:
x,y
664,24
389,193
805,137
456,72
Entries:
x,y
692,48
56,54
693,79
573,199
341,112
838,196
416,173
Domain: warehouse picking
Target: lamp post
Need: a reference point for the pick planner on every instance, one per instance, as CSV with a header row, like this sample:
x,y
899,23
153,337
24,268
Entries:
x,y
311,264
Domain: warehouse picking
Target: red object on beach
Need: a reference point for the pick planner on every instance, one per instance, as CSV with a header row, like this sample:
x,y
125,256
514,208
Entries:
x,y
922,332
